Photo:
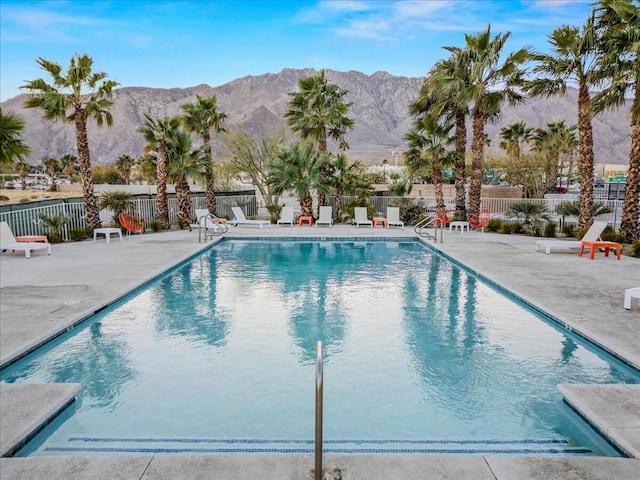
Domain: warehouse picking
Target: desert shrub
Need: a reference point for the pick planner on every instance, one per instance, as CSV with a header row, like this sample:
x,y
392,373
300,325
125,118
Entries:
x,y
532,215
569,229
610,235
508,228
77,234
517,228
4,198
155,225
550,230
24,200
494,225
182,223
635,248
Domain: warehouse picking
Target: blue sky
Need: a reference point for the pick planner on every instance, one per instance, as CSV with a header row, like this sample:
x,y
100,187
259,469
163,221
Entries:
x,y
185,43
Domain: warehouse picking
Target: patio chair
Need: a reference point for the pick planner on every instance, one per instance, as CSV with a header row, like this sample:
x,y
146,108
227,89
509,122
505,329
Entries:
x,y
592,235
209,221
444,215
240,219
130,223
480,220
286,216
360,217
325,216
9,242
393,217
630,293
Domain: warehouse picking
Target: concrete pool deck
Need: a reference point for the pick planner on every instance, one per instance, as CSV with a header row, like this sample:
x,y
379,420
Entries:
x,y
47,294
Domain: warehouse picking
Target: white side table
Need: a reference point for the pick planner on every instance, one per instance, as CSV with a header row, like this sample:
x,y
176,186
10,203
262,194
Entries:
x,y
107,233
459,226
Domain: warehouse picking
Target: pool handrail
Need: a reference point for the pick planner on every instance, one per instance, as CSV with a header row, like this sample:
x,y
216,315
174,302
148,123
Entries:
x,y
318,474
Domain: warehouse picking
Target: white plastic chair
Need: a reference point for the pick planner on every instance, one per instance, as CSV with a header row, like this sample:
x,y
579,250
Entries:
x,y
325,216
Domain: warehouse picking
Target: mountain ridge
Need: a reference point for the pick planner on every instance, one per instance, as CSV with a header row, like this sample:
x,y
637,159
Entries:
x,y
256,104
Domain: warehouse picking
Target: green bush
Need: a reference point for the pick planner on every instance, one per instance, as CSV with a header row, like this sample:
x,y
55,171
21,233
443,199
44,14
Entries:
x,y
635,249
155,225
77,234
494,225
4,198
569,229
550,230
517,227
508,228
610,235
182,223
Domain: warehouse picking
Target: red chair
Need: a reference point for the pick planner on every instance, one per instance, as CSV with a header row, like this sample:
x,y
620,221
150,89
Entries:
x,y
444,215
130,223
480,220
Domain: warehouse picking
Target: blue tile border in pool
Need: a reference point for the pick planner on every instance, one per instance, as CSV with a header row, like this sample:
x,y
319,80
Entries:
x,y
551,441
360,451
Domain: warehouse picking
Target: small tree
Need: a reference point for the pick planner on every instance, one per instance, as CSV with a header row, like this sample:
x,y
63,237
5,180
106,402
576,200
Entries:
x,y
532,214
117,202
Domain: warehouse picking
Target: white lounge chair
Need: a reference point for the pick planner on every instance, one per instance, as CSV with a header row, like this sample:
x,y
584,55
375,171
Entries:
x,y
240,219
9,242
209,221
360,217
592,235
630,293
286,216
325,216
393,217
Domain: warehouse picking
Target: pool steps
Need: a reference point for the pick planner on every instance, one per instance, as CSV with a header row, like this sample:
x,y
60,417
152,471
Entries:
x,y
96,445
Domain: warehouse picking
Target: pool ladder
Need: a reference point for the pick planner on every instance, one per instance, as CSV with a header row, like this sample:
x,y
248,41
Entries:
x,y
219,227
425,224
318,474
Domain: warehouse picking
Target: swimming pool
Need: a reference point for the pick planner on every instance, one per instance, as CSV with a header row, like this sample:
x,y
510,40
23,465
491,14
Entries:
x,y
218,356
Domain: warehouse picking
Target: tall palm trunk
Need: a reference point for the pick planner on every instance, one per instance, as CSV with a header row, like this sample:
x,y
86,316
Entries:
x,y
585,162
162,204
335,212
91,203
210,193
322,198
436,177
630,226
183,197
477,152
306,205
459,166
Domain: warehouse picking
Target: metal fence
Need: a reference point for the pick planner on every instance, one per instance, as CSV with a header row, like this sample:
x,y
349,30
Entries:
x,y
27,220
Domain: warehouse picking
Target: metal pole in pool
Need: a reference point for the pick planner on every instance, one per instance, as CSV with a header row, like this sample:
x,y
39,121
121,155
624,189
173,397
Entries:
x,y
318,468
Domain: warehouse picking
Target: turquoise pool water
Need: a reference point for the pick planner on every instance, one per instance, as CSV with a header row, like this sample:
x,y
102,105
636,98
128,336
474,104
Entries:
x,y
219,356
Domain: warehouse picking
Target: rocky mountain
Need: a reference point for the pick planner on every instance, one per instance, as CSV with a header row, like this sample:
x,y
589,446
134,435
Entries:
x,y
257,103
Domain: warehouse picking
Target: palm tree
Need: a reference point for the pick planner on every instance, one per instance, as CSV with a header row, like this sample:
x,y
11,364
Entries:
x,y
298,168
318,112
22,169
117,202
572,60
12,148
51,165
344,178
201,117
555,142
490,84
75,97
428,143
514,136
182,164
619,27
124,164
157,133
69,164
449,104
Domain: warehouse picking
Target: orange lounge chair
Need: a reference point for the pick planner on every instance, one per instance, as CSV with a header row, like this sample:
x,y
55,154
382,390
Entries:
x,y
480,220
130,223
